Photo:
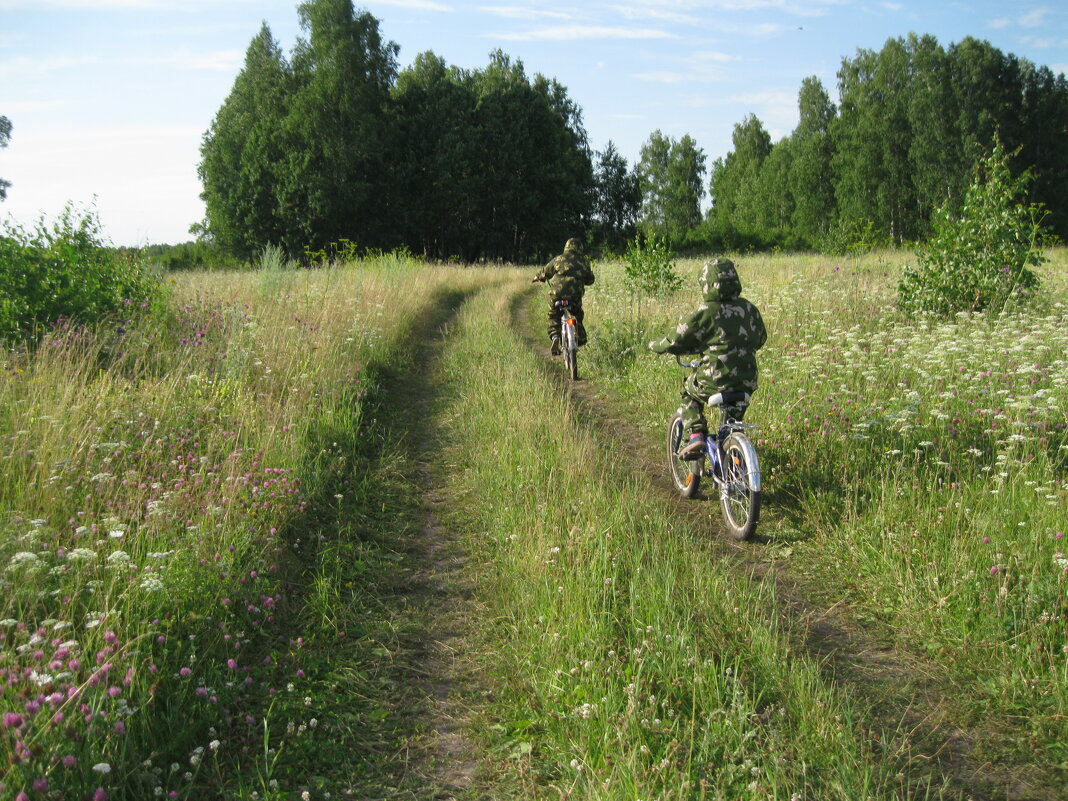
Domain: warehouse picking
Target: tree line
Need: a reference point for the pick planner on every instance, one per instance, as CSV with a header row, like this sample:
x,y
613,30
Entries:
x,y
335,143
913,123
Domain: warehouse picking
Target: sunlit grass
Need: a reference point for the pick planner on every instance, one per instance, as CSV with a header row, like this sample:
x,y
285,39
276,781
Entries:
x,y
920,467
153,481
636,664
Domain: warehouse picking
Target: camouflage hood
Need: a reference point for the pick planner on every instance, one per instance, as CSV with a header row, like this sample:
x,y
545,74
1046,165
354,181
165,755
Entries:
x,y
720,280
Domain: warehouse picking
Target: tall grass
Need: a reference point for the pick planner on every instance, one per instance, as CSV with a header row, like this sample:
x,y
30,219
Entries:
x,y
917,466
636,664
153,485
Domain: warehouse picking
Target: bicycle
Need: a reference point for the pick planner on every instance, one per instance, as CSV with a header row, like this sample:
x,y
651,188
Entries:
x,y
568,338
732,465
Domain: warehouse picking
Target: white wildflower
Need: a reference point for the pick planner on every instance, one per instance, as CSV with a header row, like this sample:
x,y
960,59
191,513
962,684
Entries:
x,y
152,583
23,558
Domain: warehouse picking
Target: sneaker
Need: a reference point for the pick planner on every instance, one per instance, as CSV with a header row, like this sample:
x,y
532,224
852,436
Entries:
x,y
694,449
554,349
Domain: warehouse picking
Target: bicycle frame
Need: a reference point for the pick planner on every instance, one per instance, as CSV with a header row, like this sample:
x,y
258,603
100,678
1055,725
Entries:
x,y
568,337
566,315
713,444
714,452
737,480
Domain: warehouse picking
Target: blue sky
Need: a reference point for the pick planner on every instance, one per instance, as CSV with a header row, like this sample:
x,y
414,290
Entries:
x,y
109,98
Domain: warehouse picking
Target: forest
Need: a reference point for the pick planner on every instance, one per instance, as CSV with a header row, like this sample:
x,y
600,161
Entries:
x,y
335,143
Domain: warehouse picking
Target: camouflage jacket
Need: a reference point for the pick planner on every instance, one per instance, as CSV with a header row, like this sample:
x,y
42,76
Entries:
x,y
568,274
726,330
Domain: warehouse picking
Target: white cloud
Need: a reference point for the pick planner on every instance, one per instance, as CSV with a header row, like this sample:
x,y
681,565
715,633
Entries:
x,y
573,32
520,12
24,65
1033,19
86,5
769,98
29,106
1041,42
418,5
773,106
719,58
219,60
657,13
799,8
700,67
105,5
663,77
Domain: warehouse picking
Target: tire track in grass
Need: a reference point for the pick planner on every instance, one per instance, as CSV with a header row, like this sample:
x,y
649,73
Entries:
x,y
433,660
909,702
629,667
390,593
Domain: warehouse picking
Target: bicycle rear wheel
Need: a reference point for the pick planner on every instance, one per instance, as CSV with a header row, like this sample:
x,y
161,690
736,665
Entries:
x,y
740,494
570,348
685,474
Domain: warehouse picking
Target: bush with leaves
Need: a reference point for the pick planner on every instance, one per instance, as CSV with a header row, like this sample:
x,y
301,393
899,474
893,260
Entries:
x,y
853,238
63,271
978,259
649,268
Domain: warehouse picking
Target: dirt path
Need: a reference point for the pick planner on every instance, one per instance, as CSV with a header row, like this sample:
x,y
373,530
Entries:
x,y
908,701
441,687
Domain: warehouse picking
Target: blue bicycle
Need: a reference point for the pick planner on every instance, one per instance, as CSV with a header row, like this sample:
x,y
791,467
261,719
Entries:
x,y
729,460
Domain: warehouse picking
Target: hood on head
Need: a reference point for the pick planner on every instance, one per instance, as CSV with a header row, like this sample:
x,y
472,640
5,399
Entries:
x,y
574,245
720,280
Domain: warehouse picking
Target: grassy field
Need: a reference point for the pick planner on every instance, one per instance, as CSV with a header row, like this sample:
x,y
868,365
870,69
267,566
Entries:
x,y
217,526
916,470
183,502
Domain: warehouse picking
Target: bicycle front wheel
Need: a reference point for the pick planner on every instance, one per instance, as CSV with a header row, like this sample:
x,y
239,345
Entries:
x,y
740,493
685,474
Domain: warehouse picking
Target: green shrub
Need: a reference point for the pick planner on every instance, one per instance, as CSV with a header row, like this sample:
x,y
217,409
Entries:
x,y
273,257
649,268
615,344
978,258
853,238
63,271
196,255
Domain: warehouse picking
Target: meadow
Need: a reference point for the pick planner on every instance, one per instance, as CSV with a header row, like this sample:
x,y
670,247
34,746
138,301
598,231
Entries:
x,y
916,469
162,485
208,516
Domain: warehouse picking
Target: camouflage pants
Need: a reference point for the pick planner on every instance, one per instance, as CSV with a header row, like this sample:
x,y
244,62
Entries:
x,y
573,303
696,390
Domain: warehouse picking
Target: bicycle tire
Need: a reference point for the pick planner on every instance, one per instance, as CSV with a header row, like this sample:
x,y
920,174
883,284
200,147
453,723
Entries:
x,y
740,494
685,474
570,348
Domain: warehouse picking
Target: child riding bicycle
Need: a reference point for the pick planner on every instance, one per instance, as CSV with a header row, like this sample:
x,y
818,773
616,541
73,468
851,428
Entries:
x,y
726,331
568,275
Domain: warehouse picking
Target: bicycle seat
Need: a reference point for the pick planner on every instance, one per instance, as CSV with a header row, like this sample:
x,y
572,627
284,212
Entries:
x,y
728,398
